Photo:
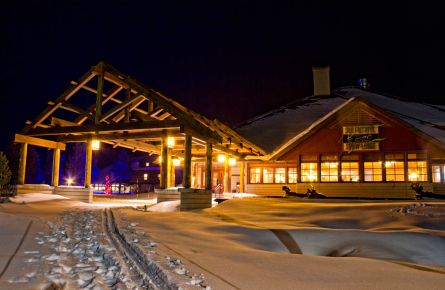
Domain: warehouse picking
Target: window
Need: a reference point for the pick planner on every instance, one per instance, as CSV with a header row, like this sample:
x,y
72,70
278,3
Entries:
x,y
309,172
436,173
292,175
255,175
145,176
349,171
329,171
329,168
417,171
373,170
267,175
395,170
280,175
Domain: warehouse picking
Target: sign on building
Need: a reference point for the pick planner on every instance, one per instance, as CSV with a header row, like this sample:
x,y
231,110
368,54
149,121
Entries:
x,y
361,138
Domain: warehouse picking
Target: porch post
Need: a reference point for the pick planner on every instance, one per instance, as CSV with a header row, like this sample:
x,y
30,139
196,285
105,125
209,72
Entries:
x,y
241,175
88,163
187,177
208,171
226,174
56,167
171,171
164,163
22,163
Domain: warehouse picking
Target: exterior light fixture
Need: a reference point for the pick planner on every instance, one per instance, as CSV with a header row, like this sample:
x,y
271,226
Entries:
x,y
145,176
95,145
232,161
176,162
389,163
170,142
69,181
221,158
147,164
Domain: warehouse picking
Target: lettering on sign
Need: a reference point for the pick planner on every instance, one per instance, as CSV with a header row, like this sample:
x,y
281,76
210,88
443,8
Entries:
x,y
361,138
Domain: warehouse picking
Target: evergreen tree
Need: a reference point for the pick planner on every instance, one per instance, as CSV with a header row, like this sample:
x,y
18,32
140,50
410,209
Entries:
x,y
5,172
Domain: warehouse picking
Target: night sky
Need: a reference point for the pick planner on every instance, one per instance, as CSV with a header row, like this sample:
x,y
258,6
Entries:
x,y
230,60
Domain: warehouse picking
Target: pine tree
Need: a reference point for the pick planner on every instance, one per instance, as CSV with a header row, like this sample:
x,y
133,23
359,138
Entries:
x,y
5,172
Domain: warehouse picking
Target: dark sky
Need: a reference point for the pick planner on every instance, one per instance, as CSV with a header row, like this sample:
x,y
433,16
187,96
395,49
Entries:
x,y
230,60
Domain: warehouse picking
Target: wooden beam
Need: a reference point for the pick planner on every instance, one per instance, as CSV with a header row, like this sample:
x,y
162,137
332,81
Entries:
x,y
22,163
127,109
106,97
187,177
208,167
163,102
131,108
38,142
153,135
72,108
61,122
62,98
100,91
164,164
119,107
149,125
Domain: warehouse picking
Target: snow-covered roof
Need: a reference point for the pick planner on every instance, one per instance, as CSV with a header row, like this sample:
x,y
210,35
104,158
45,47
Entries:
x,y
428,118
278,128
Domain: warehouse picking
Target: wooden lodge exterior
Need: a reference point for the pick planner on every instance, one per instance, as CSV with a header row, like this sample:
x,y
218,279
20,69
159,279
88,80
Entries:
x,y
350,142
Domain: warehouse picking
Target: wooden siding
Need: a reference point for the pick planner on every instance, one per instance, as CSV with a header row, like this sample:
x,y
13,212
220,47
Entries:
x,y
439,188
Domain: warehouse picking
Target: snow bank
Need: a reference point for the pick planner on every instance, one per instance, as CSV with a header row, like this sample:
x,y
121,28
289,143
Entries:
x,y
422,248
35,197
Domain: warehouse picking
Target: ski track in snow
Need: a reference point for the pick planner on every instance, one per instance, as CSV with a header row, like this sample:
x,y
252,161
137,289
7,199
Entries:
x,y
77,253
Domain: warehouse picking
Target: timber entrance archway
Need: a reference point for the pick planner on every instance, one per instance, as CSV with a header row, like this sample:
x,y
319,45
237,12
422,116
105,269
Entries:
x,y
123,112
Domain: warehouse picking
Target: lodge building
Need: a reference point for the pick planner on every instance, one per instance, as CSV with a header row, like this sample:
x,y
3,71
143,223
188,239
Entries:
x,y
347,142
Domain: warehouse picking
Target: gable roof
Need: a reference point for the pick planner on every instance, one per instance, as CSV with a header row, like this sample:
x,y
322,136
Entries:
x,y
127,113
280,128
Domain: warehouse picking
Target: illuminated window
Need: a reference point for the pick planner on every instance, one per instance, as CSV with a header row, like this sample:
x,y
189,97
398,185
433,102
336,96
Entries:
x,y
255,175
145,176
329,168
292,175
309,172
395,170
349,171
436,173
373,170
280,175
417,171
267,175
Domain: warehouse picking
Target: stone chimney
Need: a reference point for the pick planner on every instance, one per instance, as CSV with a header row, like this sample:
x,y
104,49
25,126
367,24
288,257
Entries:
x,y
322,86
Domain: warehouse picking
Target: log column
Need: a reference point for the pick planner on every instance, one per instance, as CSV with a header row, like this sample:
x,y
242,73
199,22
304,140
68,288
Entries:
x,y
208,169
164,163
88,163
187,176
22,163
226,174
56,167
241,175
170,171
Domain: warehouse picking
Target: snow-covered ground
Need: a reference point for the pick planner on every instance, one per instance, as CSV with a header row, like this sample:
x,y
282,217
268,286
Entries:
x,y
250,243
